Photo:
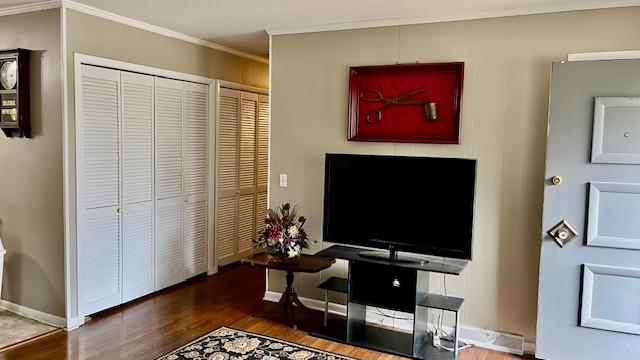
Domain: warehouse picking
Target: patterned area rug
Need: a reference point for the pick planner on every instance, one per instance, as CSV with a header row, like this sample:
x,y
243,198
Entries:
x,y
230,344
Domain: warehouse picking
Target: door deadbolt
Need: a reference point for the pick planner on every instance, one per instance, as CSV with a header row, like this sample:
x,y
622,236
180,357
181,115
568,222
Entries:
x,y
563,232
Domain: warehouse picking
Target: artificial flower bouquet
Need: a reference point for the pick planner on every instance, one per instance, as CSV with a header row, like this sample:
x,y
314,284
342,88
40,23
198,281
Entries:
x,y
283,237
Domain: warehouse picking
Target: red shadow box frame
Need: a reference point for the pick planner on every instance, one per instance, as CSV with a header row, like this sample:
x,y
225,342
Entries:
x,y
442,84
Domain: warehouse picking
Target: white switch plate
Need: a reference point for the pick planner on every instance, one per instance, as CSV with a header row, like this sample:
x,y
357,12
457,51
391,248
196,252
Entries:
x,y
283,180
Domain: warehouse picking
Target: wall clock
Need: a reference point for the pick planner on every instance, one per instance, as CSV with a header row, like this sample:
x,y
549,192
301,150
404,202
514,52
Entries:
x,y
14,92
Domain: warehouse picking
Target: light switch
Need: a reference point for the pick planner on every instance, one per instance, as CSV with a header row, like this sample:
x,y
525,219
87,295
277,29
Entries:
x,y
283,180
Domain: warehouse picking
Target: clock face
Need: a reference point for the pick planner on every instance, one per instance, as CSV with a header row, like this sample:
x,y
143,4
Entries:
x,y
9,74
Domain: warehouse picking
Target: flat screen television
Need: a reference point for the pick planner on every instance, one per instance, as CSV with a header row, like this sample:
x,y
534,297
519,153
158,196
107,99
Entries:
x,y
412,204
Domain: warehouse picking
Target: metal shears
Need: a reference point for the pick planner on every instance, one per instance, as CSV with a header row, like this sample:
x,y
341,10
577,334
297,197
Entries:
x,y
374,116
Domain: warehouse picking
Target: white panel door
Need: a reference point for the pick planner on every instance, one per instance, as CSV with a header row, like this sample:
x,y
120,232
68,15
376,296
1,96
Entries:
x,y
228,122
169,111
195,178
137,184
98,196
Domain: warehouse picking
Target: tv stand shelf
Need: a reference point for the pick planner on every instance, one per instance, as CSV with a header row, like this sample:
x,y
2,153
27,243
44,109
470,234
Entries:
x,y
395,285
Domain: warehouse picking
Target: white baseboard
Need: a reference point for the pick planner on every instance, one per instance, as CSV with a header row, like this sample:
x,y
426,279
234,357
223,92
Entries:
x,y
489,339
37,315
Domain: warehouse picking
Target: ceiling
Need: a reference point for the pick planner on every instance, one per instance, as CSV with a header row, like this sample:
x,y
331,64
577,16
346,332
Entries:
x,y
241,24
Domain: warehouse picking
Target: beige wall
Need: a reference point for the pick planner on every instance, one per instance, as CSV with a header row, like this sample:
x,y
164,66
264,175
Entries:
x,y
91,35
507,64
31,224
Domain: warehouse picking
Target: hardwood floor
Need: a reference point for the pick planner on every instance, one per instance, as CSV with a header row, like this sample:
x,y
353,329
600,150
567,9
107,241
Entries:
x,y
152,326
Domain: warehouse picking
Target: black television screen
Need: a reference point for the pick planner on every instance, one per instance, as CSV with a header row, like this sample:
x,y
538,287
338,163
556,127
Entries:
x,y
413,204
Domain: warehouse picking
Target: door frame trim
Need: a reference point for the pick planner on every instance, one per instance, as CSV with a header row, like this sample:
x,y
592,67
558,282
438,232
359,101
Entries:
x,y
73,319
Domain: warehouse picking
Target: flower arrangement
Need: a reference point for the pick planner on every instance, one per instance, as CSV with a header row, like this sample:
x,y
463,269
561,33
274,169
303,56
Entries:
x,y
283,237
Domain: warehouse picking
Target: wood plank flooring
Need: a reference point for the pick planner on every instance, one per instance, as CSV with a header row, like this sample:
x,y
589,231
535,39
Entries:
x,y
154,325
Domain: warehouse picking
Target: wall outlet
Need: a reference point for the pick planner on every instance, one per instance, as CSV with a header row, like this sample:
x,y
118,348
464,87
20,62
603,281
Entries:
x,y
283,180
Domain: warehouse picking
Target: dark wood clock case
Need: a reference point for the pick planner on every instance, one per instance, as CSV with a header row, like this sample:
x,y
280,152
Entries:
x,y
14,102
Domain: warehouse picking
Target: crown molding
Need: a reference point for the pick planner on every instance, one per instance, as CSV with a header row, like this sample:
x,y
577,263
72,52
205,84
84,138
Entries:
x,y
27,8
90,10
571,5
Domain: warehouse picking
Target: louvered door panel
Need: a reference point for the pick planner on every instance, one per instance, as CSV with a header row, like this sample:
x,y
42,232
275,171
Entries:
x,y
246,223
169,112
261,210
137,184
195,178
228,123
99,260
263,143
168,246
137,239
168,125
226,230
226,234
99,129
98,196
248,113
195,238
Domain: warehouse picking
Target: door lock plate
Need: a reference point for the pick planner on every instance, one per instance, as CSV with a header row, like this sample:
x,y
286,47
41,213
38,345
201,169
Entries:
x,y
563,232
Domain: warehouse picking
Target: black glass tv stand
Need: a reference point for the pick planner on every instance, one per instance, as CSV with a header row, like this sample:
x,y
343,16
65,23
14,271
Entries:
x,y
384,282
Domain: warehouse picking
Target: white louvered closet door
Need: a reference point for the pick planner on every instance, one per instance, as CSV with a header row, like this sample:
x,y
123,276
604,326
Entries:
x,y
98,181
262,160
226,232
169,111
137,184
195,178
247,165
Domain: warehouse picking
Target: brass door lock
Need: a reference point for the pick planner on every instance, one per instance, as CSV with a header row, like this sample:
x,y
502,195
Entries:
x,y
563,232
556,180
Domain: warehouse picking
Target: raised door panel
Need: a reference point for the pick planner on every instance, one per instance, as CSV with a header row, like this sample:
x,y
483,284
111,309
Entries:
x,y
98,196
195,178
263,143
169,112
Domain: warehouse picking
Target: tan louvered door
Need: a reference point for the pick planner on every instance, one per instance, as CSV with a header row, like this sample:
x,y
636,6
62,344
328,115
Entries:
x,y
247,167
98,181
228,123
242,160
262,151
195,178
169,262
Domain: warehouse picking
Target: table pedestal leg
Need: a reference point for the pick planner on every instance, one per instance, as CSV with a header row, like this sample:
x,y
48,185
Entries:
x,y
289,300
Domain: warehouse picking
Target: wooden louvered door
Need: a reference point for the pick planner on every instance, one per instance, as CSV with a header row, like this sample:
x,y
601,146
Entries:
x,y
242,163
98,199
169,111
228,123
262,151
137,184
195,178
247,173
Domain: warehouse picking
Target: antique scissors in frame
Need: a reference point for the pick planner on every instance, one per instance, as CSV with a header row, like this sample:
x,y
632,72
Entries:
x,y
374,116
